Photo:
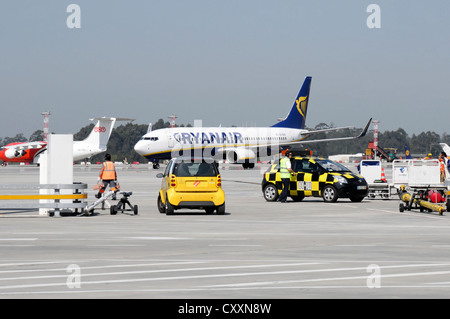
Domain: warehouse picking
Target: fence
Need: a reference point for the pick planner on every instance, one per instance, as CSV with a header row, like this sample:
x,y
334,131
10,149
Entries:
x,y
17,200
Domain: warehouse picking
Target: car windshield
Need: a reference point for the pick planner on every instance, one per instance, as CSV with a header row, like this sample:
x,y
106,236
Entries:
x,y
186,169
331,166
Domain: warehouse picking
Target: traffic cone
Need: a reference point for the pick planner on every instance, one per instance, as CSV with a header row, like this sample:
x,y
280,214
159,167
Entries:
x,y
383,177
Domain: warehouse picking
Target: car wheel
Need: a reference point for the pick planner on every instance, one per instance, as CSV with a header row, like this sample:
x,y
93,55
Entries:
x,y
169,208
329,194
113,210
270,193
221,209
161,206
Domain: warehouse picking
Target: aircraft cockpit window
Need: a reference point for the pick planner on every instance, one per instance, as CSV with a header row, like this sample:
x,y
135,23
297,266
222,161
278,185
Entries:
x,y
150,138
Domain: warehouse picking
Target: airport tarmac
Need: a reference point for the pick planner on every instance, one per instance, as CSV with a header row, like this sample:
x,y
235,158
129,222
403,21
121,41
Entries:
x,y
307,249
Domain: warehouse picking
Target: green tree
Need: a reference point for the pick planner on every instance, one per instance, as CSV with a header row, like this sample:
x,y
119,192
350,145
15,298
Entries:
x,y
426,142
37,136
18,138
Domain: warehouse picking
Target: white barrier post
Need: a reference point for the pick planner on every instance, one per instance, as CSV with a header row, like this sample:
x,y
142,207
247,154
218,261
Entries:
x,y
56,166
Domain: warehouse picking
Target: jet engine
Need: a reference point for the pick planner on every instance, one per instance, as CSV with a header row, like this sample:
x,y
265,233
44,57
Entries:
x,y
13,153
241,156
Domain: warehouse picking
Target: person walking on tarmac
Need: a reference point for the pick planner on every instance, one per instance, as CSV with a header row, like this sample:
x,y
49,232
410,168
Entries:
x,y
108,177
443,162
285,175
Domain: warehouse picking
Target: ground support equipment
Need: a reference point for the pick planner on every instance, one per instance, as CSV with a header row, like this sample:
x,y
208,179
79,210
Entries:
x,y
373,173
89,210
382,189
424,199
123,202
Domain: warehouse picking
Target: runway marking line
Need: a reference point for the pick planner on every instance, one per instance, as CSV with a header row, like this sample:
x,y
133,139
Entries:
x,y
225,275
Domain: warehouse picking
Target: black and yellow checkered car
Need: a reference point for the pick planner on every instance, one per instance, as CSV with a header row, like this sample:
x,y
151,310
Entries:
x,y
317,178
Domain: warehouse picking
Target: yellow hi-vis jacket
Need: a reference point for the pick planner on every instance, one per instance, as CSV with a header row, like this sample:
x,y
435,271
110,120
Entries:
x,y
284,172
108,171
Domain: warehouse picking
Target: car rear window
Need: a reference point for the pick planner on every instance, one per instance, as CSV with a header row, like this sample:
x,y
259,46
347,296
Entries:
x,y
184,169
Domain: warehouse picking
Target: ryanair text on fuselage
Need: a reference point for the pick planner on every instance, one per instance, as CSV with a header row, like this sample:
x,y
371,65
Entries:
x,y
208,137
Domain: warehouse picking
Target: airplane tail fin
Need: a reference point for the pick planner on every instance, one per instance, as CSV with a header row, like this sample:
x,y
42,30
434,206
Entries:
x,y
407,153
101,132
297,116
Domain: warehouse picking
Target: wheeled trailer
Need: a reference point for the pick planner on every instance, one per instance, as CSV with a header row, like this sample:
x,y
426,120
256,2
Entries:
x,y
123,203
373,173
382,189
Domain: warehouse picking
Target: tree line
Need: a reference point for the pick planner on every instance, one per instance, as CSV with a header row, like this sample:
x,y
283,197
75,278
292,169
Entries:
x,y
395,141
124,137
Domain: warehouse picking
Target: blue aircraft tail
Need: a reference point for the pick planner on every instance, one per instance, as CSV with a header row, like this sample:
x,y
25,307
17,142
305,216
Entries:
x,y
297,116
407,153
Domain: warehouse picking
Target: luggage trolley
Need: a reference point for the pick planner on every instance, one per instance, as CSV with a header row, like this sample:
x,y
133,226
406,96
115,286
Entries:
x,y
372,171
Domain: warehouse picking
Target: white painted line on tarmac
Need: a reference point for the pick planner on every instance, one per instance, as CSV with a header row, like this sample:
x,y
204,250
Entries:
x,y
159,238
111,281
278,282
225,245
177,263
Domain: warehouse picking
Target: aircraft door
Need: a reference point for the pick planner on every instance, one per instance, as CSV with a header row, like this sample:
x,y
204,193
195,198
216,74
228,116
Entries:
x,y
171,140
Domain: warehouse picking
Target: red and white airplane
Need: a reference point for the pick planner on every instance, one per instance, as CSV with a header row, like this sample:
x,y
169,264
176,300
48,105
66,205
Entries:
x,y
21,152
95,143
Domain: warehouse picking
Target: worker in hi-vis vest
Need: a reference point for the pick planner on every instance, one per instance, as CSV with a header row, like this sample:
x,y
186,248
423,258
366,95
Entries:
x,y
285,175
108,176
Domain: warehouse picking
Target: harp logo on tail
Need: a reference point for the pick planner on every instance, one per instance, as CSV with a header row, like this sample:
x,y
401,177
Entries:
x,y
301,104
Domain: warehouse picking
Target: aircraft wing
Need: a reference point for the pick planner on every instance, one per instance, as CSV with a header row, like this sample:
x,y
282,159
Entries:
x,y
363,133
307,134
112,118
329,129
25,145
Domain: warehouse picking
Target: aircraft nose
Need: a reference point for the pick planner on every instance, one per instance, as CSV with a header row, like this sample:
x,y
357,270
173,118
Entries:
x,y
139,148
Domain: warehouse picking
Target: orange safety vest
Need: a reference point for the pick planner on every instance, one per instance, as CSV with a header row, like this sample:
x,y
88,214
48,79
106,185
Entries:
x,y
109,171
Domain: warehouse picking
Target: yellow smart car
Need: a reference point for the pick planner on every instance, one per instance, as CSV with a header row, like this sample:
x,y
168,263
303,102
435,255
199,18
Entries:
x,y
191,183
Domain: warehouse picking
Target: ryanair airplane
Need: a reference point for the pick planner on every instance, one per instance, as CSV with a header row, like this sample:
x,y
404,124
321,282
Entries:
x,y
239,145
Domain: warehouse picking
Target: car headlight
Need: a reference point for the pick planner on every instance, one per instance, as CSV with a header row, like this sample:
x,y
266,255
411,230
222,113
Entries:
x,y
341,179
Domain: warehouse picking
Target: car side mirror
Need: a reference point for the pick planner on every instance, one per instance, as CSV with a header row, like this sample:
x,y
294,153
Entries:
x,y
159,175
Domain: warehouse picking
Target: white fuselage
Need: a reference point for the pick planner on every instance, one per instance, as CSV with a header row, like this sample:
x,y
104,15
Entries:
x,y
83,150
244,142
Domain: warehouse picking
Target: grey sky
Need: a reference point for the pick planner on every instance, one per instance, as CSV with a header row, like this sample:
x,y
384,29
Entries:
x,y
237,62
